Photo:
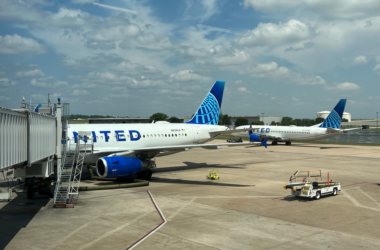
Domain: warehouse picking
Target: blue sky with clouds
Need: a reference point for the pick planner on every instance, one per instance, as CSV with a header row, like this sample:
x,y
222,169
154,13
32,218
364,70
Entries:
x,y
279,57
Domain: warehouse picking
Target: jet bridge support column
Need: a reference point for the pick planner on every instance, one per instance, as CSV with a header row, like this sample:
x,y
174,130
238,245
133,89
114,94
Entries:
x,y
59,136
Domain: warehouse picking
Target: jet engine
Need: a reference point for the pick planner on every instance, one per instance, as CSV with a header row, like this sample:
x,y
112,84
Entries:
x,y
120,166
254,138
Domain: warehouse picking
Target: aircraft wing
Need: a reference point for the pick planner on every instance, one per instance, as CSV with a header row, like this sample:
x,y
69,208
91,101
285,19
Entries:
x,y
228,132
154,151
348,129
331,130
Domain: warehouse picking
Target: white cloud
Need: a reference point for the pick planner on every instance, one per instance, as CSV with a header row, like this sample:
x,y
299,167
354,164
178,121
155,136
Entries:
x,y
295,99
30,73
337,9
47,82
273,34
377,69
5,82
360,60
83,1
188,76
344,86
344,9
15,44
242,89
80,92
4,98
271,5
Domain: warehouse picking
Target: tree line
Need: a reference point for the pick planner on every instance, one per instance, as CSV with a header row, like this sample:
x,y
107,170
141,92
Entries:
x,y
224,119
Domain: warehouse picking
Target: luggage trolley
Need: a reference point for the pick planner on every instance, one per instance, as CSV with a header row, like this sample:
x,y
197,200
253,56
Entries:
x,y
309,184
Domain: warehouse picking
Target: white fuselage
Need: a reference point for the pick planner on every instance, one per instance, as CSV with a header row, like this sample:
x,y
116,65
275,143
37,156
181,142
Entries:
x,y
116,137
288,133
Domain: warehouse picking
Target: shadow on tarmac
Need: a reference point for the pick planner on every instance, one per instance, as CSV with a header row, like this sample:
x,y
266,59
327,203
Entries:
x,y
190,182
17,214
191,165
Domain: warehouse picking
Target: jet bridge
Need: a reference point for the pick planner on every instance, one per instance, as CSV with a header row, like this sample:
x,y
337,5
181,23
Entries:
x,y
30,139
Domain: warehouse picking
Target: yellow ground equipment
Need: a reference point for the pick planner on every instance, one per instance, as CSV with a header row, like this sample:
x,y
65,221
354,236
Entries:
x,y
213,174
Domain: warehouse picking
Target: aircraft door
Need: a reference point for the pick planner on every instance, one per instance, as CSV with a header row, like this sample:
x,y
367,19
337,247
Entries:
x,y
196,134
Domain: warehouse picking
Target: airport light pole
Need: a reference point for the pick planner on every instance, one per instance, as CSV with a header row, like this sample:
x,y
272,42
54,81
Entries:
x,y
377,120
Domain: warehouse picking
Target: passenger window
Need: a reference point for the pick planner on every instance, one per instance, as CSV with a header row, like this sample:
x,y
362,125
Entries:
x,y
165,135
101,137
185,134
176,135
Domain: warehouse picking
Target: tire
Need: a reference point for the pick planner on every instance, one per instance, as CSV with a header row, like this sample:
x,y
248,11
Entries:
x,y
30,193
274,143
146,175
51,191
288,143
335,192
318,196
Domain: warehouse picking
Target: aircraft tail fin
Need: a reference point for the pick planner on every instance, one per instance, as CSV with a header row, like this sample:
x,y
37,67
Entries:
x,y
208,112
335,117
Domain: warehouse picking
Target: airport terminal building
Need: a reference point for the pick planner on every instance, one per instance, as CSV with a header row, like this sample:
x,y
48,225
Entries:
x,y
266,119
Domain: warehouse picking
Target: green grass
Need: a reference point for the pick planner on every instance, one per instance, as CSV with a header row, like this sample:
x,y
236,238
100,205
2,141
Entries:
x,y
315,142
339,143
78,121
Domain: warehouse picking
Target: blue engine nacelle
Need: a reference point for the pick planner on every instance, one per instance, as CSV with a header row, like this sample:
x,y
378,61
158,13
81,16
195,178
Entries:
x,y
120,166
253,138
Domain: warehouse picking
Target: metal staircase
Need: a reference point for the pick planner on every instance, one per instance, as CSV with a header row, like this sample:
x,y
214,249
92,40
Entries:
x,y
68,179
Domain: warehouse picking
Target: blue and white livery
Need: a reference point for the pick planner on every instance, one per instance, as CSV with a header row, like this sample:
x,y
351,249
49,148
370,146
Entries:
x,y
128,150
328,128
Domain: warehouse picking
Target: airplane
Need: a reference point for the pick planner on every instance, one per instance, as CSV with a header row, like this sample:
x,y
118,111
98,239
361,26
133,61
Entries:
x,y
128,150
330,127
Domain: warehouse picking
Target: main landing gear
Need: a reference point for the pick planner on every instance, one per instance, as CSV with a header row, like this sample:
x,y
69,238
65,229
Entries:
x,y
234,141
274,143
146,175
288,143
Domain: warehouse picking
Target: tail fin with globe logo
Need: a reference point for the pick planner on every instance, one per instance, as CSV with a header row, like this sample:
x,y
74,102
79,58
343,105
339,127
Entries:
x,y
208,112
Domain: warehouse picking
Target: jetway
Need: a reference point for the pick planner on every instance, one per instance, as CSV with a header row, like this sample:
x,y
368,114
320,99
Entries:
x,y
30,141
26,138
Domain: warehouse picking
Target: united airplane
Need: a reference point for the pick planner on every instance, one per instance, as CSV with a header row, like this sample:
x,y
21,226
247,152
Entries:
x,y
328,128
128,150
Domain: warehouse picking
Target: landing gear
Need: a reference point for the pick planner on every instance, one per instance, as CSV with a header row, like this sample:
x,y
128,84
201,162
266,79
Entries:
x,y
146,175
233,140
288,143
274,142
30,193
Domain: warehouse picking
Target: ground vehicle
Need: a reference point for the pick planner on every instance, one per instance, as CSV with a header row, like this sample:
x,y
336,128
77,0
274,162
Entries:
x,y
302,184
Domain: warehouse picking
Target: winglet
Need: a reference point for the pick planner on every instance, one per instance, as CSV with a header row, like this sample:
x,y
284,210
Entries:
x,y
264,143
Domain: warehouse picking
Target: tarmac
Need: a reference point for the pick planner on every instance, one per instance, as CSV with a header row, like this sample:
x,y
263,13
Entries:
x,y
247,208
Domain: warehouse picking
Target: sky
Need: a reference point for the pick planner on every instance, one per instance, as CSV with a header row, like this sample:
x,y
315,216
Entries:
x,y
135,58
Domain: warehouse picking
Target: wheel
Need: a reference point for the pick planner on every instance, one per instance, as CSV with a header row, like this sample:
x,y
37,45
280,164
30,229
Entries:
x,y
30,193
288,143
318,196
274,142
335,192
146,175
51,191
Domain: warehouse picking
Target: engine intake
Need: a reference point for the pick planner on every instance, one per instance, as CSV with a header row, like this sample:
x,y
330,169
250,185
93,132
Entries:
x,y
120,166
